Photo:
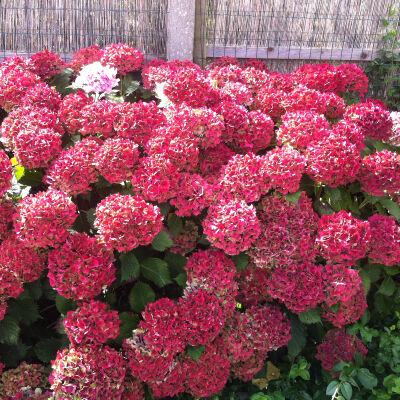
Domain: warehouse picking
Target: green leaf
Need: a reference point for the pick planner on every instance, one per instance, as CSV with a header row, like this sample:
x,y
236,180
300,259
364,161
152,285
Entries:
x,y
195,352
181,279
293,197
176,263
64,305
129,322
130,267
25,311
129,86
366,378
366,280
241,260
9,330
140,295
310,317
298,338
387,287
334,194
46,349
162,242
332,387
175,224
391,206
62,81
156,271
338,367
347,390
27,176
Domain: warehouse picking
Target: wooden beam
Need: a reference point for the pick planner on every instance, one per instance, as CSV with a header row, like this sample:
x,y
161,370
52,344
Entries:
x,y
180,29
292,53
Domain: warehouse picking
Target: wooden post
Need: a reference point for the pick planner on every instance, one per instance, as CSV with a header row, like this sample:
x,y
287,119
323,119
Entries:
x,y
180,29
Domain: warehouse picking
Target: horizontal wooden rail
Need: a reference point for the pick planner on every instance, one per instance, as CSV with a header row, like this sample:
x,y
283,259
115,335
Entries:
x,y
292,53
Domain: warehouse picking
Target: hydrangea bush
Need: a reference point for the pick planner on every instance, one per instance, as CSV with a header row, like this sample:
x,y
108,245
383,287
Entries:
x,y
168,230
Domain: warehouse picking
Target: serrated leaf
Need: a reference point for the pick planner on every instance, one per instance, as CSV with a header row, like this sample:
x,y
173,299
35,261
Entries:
x,y
293,197
175,224
25,311
347,390
62,81
312,316
241,260
338,367
130,267
298,338
64,305
334,194
9,330
332,387
91,216
162,241
366,378
46,349
195,352
366,280
176,263
181,279
156,271
27,177
13,354
129,322
391,206
140,295
388,286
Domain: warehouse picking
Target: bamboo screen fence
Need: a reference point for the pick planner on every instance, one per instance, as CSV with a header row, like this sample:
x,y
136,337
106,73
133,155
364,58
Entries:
x,y
286,33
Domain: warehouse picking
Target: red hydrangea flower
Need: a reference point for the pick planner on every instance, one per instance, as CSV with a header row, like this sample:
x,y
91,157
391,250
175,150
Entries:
x,y
70,112
133,389
7,211
219,76
232,226
88,372
212,160
300,287
246,370
25,263
346,312
394,138
270,101
36,147
10,285
288,233
137,121
208,375
256,64
342,238
126,222
14,381
202,317
15,63
301,128
212,271
282,82
380,173
352,79
156,178
342,284
46,64
163,329
28,118
303,98
116,159
74,170
5,172
178,146
373,120
256,78
81,268
83,57
145,364
3,309
43,219
339,346
43,96
253,282
385,240
92,322
122,57
351,131
205,124
223,62
236,92
186,240
322,77
241,178
97,118
13,87
194,195
284,167
333,161
335,105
